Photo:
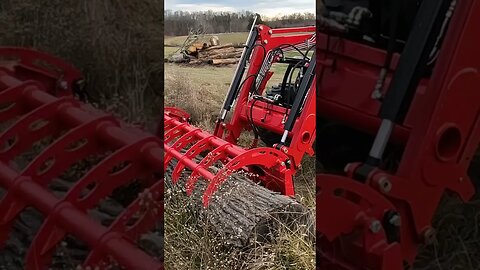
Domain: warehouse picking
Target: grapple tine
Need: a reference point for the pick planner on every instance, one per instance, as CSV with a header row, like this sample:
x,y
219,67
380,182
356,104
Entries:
x,y
195,150
148,206
181,143
217,154
267,158
177,114
9,99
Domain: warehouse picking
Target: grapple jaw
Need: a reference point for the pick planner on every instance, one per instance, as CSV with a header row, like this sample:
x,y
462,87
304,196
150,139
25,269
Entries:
x,y
196,150
357,234
36,97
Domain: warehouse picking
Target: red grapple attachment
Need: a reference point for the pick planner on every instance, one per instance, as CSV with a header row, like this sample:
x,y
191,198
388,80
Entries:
x,y
197,150
36,104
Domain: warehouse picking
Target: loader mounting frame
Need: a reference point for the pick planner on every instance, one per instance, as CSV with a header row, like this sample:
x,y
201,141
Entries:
x,y
376,217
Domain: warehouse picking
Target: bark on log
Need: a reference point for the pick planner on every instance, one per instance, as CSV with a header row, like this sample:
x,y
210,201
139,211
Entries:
x,y
219,47
239,45
242,212
206,54
225,55
228,61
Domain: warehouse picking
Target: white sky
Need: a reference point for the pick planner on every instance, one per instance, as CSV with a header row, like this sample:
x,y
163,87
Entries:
x,y
269,8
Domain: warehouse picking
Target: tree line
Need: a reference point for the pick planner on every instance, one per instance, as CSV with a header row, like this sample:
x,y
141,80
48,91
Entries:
x,y
179,23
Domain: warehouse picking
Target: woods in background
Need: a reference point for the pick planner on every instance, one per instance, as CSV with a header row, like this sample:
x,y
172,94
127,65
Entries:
x,y
179,23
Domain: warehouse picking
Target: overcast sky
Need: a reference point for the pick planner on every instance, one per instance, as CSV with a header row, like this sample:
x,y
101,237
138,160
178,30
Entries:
x,y
268,8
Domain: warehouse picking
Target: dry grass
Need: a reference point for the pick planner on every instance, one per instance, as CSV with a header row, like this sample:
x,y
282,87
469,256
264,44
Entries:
x,y
458,237
117,44
191,244
201,94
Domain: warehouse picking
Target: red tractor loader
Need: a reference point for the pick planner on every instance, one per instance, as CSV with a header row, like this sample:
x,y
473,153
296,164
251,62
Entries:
x,y
398,124
282,116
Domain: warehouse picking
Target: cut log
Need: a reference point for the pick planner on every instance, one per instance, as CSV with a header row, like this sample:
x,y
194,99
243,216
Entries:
x,y
228,61
200,45
205,53
192,50
238,45
221,54
241,212
219,47
225,55
214,41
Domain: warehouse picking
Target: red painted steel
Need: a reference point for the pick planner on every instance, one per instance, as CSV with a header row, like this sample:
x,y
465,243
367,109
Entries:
x,y
197,150
36,96
440,136
270,116
185,144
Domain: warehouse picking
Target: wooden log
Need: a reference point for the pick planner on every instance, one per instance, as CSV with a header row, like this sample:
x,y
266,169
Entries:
x,y
228,61
241,212
200,45
192,50
239,45
225,55
214,41
222,53
221,50
219,47
205,53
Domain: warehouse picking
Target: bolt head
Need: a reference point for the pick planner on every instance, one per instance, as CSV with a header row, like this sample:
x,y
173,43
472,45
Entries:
x,y
385,185
347,167
375,226
64,85
396,220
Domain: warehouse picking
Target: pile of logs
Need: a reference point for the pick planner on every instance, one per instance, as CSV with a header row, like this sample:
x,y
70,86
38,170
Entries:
x,y
217,55
202,53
